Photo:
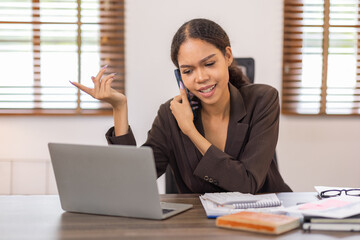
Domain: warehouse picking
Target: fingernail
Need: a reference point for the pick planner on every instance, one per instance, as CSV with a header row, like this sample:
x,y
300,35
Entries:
x,y
104,66
113,74
181,85
92,77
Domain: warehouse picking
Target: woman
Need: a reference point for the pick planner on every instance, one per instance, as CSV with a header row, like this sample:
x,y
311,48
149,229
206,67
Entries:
x,y
230,144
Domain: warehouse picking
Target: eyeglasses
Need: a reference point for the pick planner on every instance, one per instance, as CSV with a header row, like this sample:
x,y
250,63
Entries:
x,y
337,192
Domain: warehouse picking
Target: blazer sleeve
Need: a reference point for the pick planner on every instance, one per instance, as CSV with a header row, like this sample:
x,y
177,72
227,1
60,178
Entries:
x,y
158,139
248,173
127,139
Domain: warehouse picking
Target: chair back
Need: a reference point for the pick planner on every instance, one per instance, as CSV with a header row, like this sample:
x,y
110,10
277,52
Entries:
x,y
247,65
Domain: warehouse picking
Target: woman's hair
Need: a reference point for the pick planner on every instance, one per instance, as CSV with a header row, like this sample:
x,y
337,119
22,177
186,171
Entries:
x,y
212,33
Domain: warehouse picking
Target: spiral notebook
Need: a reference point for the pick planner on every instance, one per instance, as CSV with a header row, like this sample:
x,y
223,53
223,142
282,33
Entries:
x,y
223,203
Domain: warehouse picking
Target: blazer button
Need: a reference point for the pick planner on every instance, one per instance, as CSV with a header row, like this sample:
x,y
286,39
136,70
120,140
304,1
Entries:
x,y
206,178
215,182
211,180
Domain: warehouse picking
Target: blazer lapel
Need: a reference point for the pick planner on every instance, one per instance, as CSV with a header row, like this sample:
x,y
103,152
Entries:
x,y
236,130
235,135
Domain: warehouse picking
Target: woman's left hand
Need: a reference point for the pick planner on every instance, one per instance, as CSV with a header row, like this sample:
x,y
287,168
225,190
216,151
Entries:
x,y
181,109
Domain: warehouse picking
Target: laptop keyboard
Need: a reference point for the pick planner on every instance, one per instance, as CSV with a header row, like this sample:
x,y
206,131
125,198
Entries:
x,y
164,210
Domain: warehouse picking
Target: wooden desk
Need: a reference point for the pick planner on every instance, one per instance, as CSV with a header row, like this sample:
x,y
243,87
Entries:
x,y
41,217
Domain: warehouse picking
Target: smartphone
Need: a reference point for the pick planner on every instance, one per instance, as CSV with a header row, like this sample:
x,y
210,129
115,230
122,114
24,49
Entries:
x,y
190,98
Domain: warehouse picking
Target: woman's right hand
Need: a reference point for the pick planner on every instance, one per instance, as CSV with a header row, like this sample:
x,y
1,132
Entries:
x,y
102,89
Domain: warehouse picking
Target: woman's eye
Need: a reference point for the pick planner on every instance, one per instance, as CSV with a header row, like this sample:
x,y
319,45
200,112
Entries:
x,y
186,71
209,64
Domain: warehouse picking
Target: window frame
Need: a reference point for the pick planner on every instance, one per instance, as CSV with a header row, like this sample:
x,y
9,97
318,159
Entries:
x,y
293,61
111,50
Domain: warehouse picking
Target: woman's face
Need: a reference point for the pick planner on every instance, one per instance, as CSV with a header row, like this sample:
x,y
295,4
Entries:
x,y
204,70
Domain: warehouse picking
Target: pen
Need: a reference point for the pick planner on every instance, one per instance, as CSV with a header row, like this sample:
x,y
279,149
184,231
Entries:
x,y
234,205
231,203
229,206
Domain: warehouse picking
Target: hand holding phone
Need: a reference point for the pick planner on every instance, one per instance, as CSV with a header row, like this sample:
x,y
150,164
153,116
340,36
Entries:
x,y
189,97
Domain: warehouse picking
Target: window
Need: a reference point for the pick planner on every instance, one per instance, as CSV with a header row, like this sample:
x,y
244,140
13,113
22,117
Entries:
x,y
321,70
44,44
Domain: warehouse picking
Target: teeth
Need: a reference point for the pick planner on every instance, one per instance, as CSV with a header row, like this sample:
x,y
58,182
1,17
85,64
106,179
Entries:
x,y
208,90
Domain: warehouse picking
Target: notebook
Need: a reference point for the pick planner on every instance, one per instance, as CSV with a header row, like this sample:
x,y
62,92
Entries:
x,y
224,203
109,180
332,224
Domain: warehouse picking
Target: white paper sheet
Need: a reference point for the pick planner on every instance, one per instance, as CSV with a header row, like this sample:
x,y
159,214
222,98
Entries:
x,y
334,207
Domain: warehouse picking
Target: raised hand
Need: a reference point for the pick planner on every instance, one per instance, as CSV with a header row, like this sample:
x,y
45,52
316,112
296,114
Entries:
x,y
102,89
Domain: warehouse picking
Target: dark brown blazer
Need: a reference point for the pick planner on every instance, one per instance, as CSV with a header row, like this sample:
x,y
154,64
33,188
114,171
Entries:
x,y
247,163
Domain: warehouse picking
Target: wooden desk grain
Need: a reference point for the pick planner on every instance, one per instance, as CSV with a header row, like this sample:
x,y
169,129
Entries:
x,y
41,217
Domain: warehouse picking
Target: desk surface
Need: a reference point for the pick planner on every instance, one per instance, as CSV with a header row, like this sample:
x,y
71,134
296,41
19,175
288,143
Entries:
x,y
41,217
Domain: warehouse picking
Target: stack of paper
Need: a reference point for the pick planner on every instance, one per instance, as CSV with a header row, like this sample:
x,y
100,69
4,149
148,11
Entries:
x,y
333,214
336,207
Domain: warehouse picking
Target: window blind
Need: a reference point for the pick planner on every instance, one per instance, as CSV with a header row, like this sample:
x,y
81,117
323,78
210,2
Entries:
x,y
44,44
321,57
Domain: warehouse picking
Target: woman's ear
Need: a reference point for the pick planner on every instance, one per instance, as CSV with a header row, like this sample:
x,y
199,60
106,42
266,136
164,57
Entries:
x,y
228,56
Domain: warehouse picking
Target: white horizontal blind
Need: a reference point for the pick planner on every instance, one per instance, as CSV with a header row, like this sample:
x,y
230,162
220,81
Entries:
x,y
320,57
46,44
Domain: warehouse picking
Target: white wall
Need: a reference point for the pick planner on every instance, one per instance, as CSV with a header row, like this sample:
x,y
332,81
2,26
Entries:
x,y
311,150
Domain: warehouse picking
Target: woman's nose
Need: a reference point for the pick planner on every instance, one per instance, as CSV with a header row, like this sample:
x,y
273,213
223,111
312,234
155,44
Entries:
x,y
201,76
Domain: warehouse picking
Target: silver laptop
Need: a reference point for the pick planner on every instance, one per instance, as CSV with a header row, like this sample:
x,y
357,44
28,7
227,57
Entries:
x,y
109,180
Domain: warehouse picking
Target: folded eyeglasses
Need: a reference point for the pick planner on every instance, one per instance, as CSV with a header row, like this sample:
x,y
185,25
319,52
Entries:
x,y
337,192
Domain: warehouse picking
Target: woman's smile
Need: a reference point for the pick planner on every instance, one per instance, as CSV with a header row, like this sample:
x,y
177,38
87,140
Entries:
x,y
207,91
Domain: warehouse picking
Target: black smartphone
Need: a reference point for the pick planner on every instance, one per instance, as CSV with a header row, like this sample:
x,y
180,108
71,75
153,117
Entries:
x,y
190,98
